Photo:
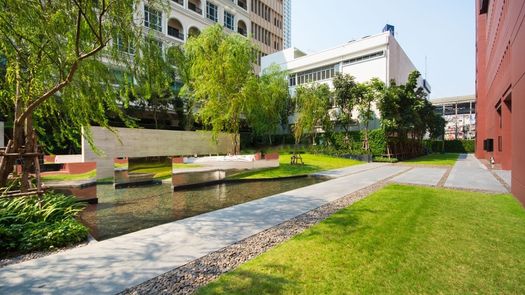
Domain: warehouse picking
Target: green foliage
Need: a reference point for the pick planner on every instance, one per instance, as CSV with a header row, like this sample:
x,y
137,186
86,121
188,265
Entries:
x,y
385,160
345,99
312,103
377,141
54,67
27,224
451,146
268,101
222,77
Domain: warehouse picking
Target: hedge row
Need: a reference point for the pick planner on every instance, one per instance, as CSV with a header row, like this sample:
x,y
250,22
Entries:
x,y
450,146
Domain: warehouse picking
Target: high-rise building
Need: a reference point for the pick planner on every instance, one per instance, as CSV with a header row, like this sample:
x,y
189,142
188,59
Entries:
x,y
500,87
287,8
267,24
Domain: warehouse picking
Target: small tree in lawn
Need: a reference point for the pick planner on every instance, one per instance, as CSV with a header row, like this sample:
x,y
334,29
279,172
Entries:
x,y
312,103
345,88
366,94
267,101
54,52
221,71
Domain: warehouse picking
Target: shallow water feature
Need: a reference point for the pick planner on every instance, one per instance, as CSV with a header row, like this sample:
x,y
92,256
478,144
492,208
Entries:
x,y
122,211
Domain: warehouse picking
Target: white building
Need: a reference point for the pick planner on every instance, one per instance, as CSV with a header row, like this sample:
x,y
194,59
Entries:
x,y
184,18
379,56
459,113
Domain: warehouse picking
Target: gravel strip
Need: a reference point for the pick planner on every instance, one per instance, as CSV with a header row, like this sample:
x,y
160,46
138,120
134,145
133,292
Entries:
x,y
188,278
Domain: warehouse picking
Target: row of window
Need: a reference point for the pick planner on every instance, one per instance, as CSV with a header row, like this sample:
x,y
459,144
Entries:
x,y
363,57
264,36
267,13
453,109
153,18
318,74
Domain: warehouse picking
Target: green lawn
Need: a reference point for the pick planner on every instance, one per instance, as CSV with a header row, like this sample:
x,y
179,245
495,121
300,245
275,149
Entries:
x,y
435,159
400,240
185,166
312,163
70,177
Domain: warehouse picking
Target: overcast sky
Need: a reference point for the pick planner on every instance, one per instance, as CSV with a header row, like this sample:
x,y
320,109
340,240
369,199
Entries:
x,y
443,31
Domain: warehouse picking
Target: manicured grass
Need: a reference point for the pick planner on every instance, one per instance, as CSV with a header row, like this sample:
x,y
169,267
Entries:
x,y
312,163
70,177
400,240
435,159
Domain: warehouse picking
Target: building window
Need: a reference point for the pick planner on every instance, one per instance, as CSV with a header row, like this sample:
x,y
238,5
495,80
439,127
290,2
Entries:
x,y
229,20
124,45
363,58
152,18
317,74
211,11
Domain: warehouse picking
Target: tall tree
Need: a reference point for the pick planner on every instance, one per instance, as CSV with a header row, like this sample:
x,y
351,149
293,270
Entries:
x,y
345,88
221,71
267,101
366,95
312,103
154,80
54,52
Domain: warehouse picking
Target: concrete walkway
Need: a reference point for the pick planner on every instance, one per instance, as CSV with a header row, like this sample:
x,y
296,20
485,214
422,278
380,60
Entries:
x,y
470,173
422,176
112,265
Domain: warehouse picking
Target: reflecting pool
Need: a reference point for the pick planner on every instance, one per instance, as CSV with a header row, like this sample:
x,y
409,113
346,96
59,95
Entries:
x,y
122,211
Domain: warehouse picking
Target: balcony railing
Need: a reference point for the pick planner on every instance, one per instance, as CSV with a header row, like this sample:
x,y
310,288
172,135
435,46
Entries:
x,y
175,33
194,7
180,2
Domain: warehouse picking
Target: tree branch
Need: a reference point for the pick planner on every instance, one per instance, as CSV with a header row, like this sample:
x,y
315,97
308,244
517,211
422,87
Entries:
x,y
59,86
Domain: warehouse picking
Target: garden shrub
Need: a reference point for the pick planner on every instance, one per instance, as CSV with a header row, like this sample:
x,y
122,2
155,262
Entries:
x,y
450,146
385,160
26,226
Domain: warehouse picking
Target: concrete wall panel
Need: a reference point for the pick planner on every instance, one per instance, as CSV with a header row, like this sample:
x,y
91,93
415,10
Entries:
x,y
126,142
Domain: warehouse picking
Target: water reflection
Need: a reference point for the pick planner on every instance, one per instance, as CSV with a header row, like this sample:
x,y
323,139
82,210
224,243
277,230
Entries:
x,y
127,210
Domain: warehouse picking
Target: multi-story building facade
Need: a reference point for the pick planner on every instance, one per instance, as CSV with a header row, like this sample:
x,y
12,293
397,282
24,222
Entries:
x,y
287,11
379,56
184,18
500,86
459,113
267,25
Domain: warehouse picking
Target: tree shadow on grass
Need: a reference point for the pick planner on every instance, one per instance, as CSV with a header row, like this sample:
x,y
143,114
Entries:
x,y
250,282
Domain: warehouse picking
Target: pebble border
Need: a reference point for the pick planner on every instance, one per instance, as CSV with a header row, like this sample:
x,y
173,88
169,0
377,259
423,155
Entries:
x,y
188,278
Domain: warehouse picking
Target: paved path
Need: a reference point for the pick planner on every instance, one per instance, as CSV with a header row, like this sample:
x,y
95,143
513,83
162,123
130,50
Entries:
x,y
422,176
505,175
112,265
469,173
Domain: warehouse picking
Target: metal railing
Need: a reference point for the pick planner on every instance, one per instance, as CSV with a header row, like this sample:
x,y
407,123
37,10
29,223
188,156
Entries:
x,y
175,33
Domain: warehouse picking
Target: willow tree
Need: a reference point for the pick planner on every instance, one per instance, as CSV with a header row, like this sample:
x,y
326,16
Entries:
x,y
55,53
221,72
312,104
267,102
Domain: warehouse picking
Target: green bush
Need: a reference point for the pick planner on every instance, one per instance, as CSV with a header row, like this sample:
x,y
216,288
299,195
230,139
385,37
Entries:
x,y
450,146
385,160
25,225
